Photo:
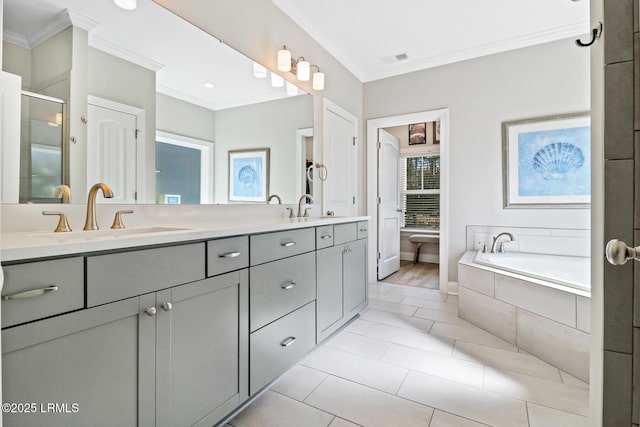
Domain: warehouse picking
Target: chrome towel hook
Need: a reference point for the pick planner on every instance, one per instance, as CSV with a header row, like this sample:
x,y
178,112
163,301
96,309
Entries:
x,y
596,33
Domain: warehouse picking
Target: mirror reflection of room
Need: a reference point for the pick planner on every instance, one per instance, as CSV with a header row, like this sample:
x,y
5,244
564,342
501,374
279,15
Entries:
x,y
152,122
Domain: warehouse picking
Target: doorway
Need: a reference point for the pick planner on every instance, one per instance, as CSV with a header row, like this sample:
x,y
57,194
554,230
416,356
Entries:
x,y
381,207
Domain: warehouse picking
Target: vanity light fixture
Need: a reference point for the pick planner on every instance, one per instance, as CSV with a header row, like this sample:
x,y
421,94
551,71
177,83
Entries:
x,y
276,80
208,85
300,67
318,79
259,71
126,4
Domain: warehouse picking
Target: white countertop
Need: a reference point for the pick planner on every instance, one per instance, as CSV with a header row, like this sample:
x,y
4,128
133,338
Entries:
x,y
38,244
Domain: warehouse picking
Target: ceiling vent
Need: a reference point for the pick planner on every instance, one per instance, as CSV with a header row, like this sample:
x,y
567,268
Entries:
x,y
394,59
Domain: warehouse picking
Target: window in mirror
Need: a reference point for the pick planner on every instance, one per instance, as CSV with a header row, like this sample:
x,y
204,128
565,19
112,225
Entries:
x,y
41,147
184,170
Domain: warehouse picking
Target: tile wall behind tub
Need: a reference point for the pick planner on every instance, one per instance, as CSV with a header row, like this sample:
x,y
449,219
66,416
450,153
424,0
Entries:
x,y
621,402
556,241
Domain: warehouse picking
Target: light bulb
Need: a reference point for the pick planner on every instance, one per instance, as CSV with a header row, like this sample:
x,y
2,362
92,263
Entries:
x,y
284,59
126,4
304,70
318,80
276,80
259,71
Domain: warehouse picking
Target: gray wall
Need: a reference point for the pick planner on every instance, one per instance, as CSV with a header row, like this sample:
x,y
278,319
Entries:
x,y
481,94
269,124
183,118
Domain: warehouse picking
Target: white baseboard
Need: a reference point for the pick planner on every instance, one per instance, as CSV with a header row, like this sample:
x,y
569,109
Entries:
x,y
452,288
432,258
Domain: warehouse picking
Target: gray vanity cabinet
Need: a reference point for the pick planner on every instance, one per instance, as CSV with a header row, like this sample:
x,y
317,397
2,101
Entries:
x,y
201,350
341,279
89,358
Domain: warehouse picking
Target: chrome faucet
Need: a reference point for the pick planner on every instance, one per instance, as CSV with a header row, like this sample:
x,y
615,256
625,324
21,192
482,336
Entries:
x,y
274,196
62,191
91,223
303,199
497,238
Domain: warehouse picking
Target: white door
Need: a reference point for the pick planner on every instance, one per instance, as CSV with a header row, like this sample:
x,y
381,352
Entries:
x,y
339,190
111,152
388,203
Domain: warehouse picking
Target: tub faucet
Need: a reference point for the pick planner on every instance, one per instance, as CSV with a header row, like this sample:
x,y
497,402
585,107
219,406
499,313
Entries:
x,y
497,238
303,199
91,222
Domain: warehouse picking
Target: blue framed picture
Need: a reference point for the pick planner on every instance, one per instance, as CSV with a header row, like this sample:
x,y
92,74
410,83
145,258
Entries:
x,y
547,162
249,175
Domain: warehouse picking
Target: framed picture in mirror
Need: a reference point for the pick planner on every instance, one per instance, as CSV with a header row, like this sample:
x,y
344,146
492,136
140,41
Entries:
x,y
249,175
417,133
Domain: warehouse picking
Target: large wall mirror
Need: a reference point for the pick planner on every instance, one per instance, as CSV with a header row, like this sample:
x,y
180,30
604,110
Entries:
x,y
144,101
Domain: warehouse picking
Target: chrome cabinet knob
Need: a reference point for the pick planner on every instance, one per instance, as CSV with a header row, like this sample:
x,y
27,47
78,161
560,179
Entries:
x,y
619,253
166,306
150,311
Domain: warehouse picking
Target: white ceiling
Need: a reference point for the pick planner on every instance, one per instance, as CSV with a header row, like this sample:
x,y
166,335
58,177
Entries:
x,y
183,56
365,35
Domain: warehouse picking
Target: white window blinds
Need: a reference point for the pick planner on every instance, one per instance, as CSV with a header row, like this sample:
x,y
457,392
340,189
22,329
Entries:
x,y
420,191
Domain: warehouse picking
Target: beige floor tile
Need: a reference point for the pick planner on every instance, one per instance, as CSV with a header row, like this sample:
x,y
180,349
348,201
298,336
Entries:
x,y
548,393
463,400
447,367
339,422
359,344
445,419
366,406
388,297
299,382
273,409
415,339
433,304
452,299
506,359
440,316
470,334
541,416
398,320
392,307
371,373
361,327
408,291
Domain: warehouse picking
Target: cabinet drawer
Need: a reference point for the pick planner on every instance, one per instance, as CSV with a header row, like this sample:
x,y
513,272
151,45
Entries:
x,y
272,246
324,236
122,275
278,346
40,289
345,233
226,255
279,287
363,229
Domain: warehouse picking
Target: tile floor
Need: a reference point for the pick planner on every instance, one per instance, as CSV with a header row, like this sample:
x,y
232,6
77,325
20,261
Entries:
x,y
410,361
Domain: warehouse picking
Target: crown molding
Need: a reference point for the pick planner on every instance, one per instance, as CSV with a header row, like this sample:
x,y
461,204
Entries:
x,y
125,54
15,38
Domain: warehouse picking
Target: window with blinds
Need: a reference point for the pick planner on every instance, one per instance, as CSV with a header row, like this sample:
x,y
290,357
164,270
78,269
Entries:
x,y
420,191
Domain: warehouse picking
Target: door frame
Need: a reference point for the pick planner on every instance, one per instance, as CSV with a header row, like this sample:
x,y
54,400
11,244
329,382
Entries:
x,y
372,184
301,157
139,113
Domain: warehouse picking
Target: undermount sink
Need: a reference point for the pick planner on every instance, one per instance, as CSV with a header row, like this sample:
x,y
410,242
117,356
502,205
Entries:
x,y
108,233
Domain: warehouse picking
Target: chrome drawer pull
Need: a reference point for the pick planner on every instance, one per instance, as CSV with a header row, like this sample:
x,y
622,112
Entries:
x,y
30,294
230,255
288,342
150,311
287,286
288,244
166,306
363,230
326,236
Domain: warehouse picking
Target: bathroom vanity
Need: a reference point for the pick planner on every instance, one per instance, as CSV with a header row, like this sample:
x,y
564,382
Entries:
x,y
173,328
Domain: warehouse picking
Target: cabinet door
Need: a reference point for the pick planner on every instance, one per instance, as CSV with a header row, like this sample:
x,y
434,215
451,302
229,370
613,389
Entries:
x,y
329,290
202,350
80,369
355,277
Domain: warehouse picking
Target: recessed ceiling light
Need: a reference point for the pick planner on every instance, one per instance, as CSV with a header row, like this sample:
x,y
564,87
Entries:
x,y
209,85
126,4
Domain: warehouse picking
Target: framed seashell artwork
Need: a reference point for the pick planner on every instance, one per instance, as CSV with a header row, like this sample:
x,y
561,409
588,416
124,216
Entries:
x,y
249,175
547,162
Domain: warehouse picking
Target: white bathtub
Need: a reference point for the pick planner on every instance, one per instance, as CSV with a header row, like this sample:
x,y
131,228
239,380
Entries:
x,y
568,271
